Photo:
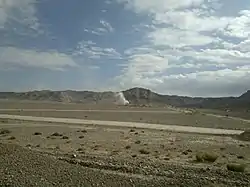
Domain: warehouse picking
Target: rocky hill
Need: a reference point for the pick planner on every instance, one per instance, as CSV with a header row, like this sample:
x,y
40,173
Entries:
x,y
134,96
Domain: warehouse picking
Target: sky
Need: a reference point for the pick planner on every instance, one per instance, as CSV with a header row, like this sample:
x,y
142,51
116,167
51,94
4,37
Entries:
x,y
176,47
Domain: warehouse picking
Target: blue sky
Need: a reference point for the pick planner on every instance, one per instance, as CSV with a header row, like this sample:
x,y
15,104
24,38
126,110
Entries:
x,y
184,47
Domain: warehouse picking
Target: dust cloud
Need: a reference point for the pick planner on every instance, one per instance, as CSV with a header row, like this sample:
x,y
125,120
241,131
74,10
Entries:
x,y
120,99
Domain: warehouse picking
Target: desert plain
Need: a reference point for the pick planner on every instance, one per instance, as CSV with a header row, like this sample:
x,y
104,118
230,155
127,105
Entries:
x,y
56,144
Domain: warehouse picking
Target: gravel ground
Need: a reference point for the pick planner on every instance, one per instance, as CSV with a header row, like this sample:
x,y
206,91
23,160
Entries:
x,y
24,167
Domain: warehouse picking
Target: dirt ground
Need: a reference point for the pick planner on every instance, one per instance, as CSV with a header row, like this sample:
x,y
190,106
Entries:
x,y
109,148
196,120
48,154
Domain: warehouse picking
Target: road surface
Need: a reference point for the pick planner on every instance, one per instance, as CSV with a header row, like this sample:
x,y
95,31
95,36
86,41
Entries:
x,y
174,128
90,110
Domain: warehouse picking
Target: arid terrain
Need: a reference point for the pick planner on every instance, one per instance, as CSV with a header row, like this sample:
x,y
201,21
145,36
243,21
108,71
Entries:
x,y
135,153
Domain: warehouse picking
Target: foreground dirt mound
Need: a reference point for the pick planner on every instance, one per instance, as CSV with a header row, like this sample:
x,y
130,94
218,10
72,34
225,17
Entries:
x,y
245,136
21,167
24,167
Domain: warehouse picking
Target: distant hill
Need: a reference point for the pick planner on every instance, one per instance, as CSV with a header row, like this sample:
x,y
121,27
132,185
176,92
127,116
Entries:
x,y
147,97
134,96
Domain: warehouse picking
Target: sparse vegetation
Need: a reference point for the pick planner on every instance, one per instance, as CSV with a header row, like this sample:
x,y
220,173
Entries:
x,y
4,121
80,150
143,151
128,147
56,134
206,157
240,157
236,167
4,131
12,138
37,133
137,142
185,152
166,158
51,137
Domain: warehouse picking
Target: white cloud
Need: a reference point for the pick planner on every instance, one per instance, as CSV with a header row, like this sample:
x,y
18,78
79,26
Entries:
x,y
178,38
192,20
145,6
195,40
107,26
19,11
91,50
16,57
142,69
223,82
239,26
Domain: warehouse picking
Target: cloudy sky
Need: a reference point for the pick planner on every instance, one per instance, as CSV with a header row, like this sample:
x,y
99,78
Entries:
x,y
184,47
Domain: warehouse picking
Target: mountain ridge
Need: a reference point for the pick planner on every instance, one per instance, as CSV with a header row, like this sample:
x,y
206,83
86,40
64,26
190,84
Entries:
x,y
136,95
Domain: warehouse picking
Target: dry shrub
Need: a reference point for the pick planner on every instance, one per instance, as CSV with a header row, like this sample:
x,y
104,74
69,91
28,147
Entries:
x,y
143,151
56,134
128,147
206,157
12,138
4,131
137,142
236,167
37,133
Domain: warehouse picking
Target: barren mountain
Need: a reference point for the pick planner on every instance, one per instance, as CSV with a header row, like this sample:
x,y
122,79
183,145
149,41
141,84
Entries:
x,y
134,96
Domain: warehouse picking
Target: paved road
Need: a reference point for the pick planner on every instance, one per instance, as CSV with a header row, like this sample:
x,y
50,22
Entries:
x,y
175,128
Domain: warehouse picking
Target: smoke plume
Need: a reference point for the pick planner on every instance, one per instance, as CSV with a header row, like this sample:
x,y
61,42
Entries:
x,y
120,99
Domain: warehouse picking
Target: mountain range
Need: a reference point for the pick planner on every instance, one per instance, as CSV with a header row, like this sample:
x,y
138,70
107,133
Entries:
x,y
136,96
